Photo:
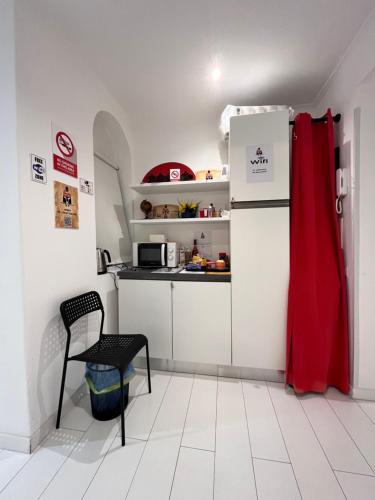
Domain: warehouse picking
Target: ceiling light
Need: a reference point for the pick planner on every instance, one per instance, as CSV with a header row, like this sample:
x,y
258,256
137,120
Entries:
x,y
216,74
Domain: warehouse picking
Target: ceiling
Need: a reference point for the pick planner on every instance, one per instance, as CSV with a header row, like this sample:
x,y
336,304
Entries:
x,y
157,56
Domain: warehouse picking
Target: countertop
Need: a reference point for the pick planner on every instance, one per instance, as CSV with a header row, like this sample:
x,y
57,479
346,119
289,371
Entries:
x,y
145,274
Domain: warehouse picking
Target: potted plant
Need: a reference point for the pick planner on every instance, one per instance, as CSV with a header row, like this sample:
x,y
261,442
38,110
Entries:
x,y
188,209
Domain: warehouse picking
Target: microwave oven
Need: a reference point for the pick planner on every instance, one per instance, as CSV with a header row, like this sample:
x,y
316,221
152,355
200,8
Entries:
x,y
155,254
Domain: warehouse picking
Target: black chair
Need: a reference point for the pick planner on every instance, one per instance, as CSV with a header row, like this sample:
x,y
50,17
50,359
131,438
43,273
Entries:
x,y
113,350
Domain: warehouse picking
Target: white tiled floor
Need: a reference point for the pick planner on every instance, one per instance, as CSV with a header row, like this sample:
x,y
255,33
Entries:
x,y
198,438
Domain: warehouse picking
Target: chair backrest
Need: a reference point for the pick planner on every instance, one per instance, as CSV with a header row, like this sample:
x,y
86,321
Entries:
x,y
76,307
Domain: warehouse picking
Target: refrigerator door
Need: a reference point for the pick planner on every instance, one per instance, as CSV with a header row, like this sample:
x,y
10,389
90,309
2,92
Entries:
x,y
259,156
260,278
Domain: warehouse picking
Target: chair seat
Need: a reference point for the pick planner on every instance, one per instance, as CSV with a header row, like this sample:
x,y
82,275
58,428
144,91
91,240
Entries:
x,y
113,350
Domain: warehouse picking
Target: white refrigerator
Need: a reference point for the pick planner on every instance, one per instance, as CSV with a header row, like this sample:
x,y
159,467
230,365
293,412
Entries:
x,y
259,191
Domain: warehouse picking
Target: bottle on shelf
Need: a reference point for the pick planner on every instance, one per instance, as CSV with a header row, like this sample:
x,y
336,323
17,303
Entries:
x,y
211,210
188,256
195,249
182,256
225,257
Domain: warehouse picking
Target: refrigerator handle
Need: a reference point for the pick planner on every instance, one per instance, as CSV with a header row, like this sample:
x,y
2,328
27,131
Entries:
x,y
260,204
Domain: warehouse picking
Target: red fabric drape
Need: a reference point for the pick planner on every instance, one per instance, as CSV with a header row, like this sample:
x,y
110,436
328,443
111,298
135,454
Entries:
x,y
317,331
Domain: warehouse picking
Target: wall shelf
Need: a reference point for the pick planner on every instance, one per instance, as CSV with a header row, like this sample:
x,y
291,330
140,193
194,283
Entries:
x,y
197,220
181,187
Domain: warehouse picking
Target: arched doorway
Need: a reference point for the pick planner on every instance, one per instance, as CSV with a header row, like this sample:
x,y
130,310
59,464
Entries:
x,y
112,167
113,206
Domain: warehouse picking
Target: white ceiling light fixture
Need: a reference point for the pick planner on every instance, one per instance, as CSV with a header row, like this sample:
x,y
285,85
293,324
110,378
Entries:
x,y
215,67
216,74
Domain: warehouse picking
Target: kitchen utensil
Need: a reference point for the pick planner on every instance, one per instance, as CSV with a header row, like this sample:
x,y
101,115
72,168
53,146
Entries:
x,y
101,263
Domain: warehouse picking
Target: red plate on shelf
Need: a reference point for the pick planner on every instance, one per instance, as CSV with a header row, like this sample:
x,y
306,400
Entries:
x,y
160,173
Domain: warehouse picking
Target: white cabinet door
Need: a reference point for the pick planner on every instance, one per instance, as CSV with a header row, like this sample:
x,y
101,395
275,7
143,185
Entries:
x,y
260,278
202,322
269,132
146,307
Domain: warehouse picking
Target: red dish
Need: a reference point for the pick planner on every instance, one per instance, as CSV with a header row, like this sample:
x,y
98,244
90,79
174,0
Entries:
x,y
160,173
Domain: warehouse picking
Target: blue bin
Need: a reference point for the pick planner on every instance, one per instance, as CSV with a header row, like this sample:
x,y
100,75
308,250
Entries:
x,y
104,385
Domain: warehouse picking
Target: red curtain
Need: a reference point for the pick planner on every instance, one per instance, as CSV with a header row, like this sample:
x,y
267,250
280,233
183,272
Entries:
x,y
317,331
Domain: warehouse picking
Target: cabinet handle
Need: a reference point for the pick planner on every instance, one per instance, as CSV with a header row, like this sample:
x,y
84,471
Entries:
x,y
172,285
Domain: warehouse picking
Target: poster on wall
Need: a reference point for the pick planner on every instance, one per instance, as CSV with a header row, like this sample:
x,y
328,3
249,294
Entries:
x,y
66,206
259,166
64,150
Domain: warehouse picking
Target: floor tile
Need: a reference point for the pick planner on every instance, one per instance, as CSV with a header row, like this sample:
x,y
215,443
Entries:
x,y
117,470
141,416
356,422
314,475
340,449
10,463
35,476
194,477
234,477
77,472
275,481
79,417
369,408
138,384
186,416
200,424
154,476
265,434
357,487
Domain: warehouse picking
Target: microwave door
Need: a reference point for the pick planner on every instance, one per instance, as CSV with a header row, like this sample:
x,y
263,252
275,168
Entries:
x,y
152,254
149,255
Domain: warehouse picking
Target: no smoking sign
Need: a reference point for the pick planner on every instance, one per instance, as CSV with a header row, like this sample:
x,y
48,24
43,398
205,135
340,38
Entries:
x,y
64,152
174,174
65,144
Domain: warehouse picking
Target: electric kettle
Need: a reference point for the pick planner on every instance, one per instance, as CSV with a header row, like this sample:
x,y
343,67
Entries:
x,y
101,264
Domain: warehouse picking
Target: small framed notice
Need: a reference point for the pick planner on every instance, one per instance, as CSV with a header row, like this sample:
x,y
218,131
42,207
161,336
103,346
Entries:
x,y
259,163
38,167
86,186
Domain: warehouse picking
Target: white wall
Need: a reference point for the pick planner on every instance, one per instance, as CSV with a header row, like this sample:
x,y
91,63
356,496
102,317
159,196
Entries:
x,y
341,94
14,415
54,86
111,226
112,195
194,140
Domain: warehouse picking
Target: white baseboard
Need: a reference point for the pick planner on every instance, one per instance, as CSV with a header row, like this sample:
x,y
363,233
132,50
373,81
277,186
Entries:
x,y
208,369
367,394
15,443
27,444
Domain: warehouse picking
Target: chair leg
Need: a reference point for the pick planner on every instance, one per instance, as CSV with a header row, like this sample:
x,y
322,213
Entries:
x,y
122,407
148,369
61,393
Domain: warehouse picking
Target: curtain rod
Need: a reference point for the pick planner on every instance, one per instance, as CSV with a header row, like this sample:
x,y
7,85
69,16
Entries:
x,y
322,119
106,162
